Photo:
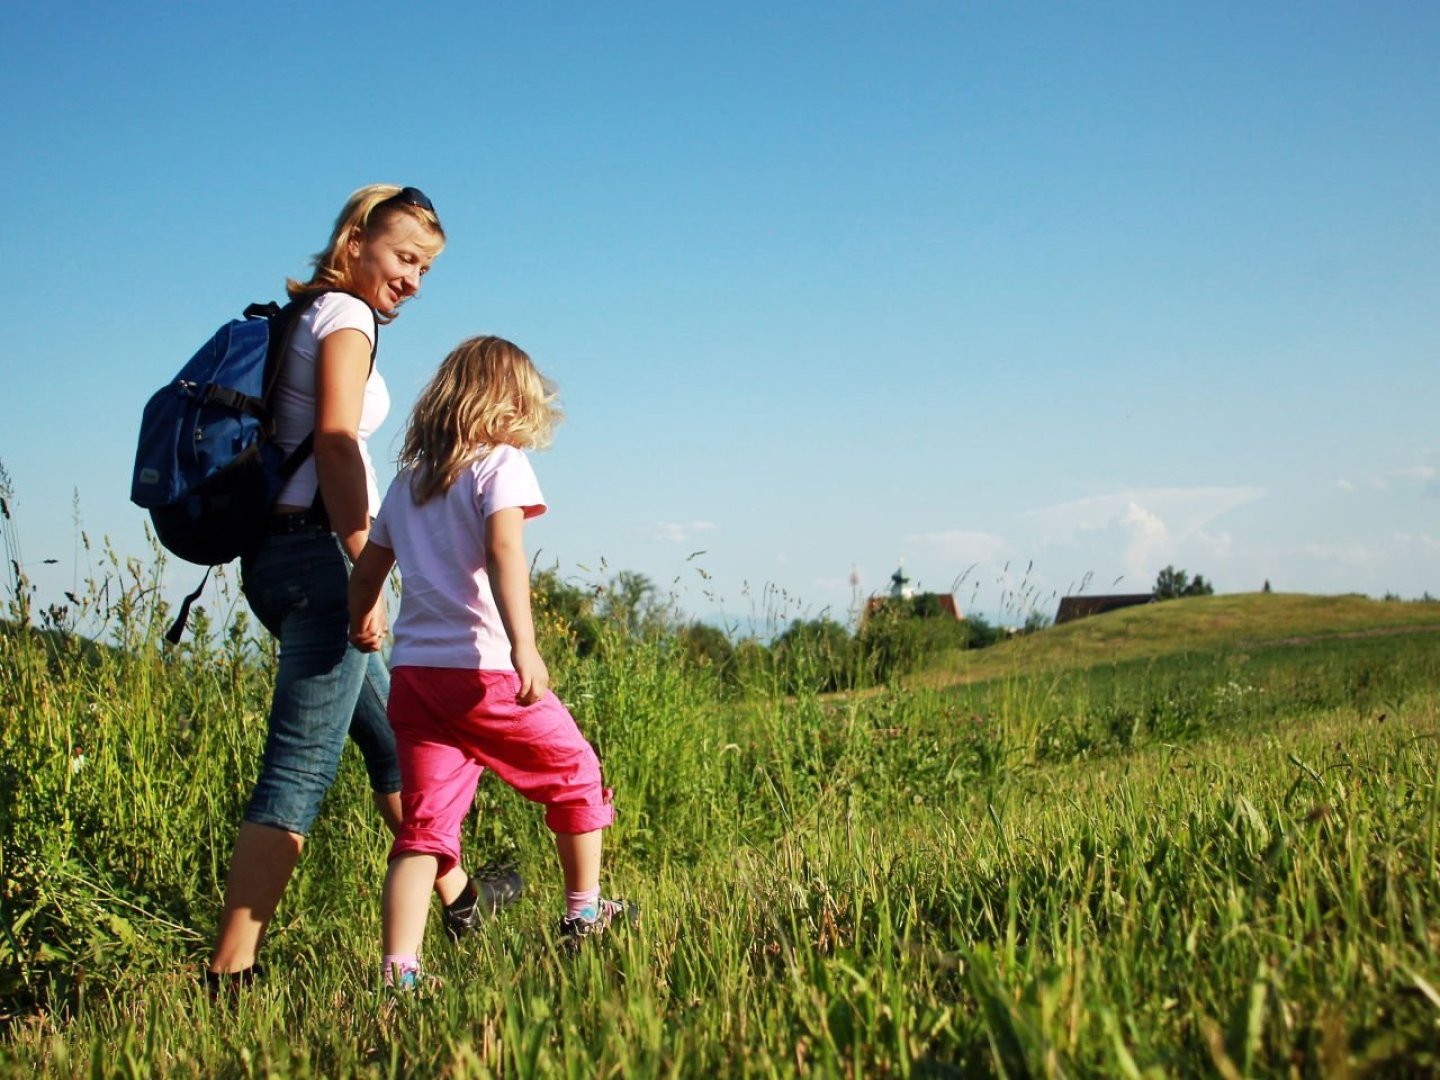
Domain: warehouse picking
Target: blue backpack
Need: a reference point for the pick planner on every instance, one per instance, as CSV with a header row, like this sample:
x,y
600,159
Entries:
x,y
207,467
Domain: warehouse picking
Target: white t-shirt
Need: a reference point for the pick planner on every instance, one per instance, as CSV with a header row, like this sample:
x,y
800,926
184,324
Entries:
x,y
293,401
448,617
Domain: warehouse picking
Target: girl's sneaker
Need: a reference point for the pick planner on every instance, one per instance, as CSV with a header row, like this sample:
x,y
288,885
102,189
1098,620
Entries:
x,y
593,922
410,981
490,891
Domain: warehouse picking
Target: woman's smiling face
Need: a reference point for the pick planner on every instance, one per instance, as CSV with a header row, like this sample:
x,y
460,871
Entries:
x,y
388,263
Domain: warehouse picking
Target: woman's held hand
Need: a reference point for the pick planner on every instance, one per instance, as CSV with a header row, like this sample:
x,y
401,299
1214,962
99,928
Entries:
x,y
371,631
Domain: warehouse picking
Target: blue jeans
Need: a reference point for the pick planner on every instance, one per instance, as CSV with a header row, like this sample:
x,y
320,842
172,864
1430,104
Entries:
x,y
325,689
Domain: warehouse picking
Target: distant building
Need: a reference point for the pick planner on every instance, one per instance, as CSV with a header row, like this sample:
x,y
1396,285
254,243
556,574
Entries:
x,y
922,604
1080,607
900,584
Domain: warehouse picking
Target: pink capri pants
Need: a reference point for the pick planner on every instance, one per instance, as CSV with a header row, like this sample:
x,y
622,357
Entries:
x,y
451,724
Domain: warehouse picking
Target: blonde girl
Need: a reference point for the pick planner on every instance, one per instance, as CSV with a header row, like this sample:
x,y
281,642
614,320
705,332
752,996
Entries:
x,y
470,690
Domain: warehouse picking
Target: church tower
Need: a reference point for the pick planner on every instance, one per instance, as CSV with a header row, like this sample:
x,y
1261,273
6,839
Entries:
x,y
900,583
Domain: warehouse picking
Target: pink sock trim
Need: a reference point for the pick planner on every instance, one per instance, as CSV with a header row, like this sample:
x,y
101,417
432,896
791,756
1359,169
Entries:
x,y
578,903
394,964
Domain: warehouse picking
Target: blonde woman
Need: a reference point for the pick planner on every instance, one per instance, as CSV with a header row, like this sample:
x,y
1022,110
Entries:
x,y
382,245
471,690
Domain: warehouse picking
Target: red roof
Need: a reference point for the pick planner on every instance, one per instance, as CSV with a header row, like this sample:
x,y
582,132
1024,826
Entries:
x,y
945,600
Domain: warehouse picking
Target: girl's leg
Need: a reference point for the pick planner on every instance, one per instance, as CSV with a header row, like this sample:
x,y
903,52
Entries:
x,y
406,902
579,860
449,885
370,729
438,783
539,751
586,911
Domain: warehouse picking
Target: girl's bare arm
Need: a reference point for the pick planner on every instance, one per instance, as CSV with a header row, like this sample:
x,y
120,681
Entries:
x,y
509,573
367,615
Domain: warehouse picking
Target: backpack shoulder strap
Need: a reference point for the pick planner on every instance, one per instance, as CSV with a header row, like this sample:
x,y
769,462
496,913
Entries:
x,y
285,320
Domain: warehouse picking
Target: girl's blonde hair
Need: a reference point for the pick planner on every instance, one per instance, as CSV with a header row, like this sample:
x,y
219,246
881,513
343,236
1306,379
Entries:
x,y
367,213
487,393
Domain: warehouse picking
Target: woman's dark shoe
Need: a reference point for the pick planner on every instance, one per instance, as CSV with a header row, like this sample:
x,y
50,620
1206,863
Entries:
x,y
227,985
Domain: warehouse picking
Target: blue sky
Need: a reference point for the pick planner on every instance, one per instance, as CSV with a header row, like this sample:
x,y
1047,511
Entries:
x,y
1037,297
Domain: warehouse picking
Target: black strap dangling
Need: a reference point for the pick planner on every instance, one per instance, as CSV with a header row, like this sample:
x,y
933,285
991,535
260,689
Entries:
x,y
178,627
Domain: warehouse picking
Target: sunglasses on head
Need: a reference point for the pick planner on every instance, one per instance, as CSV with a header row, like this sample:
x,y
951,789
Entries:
x,y
411,196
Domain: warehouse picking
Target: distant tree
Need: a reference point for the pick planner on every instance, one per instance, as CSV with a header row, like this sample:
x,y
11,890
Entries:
x,y
816,655
1036,620
631,602
752,668
899,635
1171,584
565,612
704,645
981,634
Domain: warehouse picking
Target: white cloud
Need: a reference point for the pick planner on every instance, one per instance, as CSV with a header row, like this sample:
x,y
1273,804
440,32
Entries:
x,y
1405,541
1218,544
1147,538
679,533
1427,476
1143,529
1404,479
1352,555
1181,511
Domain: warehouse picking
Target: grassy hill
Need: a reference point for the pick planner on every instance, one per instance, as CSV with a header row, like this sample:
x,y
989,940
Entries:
x,y
1198,838
1205,624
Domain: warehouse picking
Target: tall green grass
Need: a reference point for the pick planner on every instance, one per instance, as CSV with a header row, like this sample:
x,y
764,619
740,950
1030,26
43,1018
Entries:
x,y
1219,862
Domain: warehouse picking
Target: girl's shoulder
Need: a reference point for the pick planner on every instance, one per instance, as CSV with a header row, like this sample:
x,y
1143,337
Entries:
x,y
398,496
502,469
496,458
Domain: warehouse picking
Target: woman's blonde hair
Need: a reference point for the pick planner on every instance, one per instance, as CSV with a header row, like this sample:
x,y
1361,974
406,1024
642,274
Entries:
x,y
487,393
367,213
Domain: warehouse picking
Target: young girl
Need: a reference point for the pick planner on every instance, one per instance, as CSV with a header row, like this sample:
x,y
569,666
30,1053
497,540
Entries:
x,y
469,690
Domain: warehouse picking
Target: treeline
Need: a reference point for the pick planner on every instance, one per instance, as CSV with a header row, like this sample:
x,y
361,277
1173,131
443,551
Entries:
x,y
817,655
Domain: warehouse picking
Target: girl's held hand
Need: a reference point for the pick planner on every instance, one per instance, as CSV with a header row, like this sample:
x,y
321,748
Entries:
x,y
534,675
369,634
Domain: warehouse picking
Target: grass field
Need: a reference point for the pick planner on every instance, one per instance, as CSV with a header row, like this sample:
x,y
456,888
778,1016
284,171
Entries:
x,y
1196,838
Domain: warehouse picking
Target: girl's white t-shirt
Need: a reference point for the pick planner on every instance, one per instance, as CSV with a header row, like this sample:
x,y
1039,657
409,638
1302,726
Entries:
x,y
293,400
448,617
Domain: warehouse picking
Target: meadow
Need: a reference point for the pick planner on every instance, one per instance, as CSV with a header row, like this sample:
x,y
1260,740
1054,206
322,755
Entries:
x,y
1196,838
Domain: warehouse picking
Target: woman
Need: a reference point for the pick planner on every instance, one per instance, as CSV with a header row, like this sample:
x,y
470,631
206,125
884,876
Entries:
x,y
383,243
